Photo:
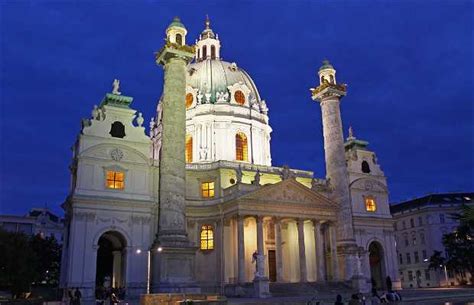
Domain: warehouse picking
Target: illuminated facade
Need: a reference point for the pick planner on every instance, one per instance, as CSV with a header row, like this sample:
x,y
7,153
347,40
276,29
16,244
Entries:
x,y
235,201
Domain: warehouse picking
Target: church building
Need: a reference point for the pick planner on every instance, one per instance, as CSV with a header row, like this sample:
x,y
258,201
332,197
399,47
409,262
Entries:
x,y
195,203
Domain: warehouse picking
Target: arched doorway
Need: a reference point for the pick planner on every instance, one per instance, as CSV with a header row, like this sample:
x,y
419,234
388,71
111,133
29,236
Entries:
x,y
111,260
376,260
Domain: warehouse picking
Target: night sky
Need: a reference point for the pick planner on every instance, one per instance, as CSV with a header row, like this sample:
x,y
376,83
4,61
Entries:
x,y
408,66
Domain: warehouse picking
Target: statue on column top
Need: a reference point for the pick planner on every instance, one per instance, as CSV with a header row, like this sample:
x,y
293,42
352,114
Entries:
x,y
239,174
116,87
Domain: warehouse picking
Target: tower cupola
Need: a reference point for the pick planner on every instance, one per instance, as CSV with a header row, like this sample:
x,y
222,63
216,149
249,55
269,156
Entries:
x,y
327,73
176,32
208,46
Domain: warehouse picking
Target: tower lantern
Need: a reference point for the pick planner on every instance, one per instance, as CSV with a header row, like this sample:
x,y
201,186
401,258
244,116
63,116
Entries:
x,y
176,32
327,73
208,46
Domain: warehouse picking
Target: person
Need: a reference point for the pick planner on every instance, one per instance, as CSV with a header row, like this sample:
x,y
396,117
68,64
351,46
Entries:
x,y
388,281
338,300
70,296
113,299
354,300
77,297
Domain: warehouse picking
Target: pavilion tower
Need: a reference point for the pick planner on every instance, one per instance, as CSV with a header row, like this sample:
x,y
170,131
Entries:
x,y
328,94
173,253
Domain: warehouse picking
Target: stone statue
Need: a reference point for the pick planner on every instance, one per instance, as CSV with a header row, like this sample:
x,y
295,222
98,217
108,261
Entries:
x,y
152,123
351,133
140,119
200,96
116,87
239,174
285,173
208,98
259,261
256,180
203,153
95,112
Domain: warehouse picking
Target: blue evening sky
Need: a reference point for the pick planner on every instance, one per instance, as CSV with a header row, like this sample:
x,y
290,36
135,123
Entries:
x,y
408,66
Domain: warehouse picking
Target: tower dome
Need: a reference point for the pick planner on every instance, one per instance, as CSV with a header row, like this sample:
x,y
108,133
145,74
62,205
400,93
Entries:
x,y
226,119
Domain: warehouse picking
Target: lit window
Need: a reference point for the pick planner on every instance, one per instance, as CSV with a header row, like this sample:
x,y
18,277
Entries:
x,y
370,204
241,147
115,180
207,189
207,237
189,149
239,97
179,39
189,100
365,167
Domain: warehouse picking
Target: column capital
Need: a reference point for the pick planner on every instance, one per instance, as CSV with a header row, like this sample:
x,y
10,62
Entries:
x,y
276,219
301,221
259,218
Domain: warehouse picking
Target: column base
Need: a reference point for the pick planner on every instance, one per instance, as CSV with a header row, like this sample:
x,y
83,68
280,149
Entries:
x,y
173,270
261,287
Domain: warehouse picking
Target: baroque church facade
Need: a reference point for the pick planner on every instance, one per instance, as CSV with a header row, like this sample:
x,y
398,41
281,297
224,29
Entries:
x,y
191,205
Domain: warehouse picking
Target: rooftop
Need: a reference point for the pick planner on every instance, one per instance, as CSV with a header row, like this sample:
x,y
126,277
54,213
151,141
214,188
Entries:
x,y
433,199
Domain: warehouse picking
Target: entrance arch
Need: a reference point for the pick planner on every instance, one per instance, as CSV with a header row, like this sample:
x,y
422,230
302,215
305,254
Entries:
x,y
111,260
377,264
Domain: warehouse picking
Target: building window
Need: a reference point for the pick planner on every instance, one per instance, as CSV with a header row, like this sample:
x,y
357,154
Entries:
x,y
189,149
441,218
207,189
422,238
365,167
117,130
404,225
239,97
408,258
213,52
417,258
179,39
412,223
189,100
241,147
115,180
413,240
406,241
370,204
395,226
207,237
424,254
204,52
427,274
400,256
420,221
410,275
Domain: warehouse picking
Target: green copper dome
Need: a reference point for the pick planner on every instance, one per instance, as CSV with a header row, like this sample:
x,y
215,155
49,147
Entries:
x,y
326,65
177,23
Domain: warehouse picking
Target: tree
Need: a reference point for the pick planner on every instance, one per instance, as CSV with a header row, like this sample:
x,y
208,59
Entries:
x,y
48,258
436,260
17,262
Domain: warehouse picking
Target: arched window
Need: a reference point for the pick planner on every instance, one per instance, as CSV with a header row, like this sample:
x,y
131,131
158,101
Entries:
x,y
239,97
117,130
189,149
241,147
199,53
322,79
207,237
370,205
189,100
213,52
331,77
179,39
365,167
204,52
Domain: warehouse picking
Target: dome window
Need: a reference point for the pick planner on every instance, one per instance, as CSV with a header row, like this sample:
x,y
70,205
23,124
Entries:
x,y
189,100
117,130
204,52
239,97
365,167
179,39
213,52
241,147
189,149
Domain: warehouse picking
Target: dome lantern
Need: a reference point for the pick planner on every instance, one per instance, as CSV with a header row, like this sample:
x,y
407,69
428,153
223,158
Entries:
x,y
208,46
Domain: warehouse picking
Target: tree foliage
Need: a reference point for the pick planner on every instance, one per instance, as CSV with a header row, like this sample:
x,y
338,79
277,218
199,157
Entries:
x,y
25,260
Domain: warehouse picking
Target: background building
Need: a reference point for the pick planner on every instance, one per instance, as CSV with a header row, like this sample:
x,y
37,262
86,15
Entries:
x,y
38,221
419,228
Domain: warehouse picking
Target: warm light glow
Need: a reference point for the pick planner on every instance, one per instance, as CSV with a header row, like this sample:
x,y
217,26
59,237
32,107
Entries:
x,y
139,251
207,237
241,147
189,149
239,97
370,204
115,180
207,189
159,249
189,100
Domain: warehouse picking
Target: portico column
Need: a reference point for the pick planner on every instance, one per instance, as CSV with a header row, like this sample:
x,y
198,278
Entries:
x,y
259,235
278,253
321,274
334,260
241,249
303,277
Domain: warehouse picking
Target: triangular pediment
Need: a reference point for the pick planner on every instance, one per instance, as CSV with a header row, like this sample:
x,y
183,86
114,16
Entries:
x,y
288,191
